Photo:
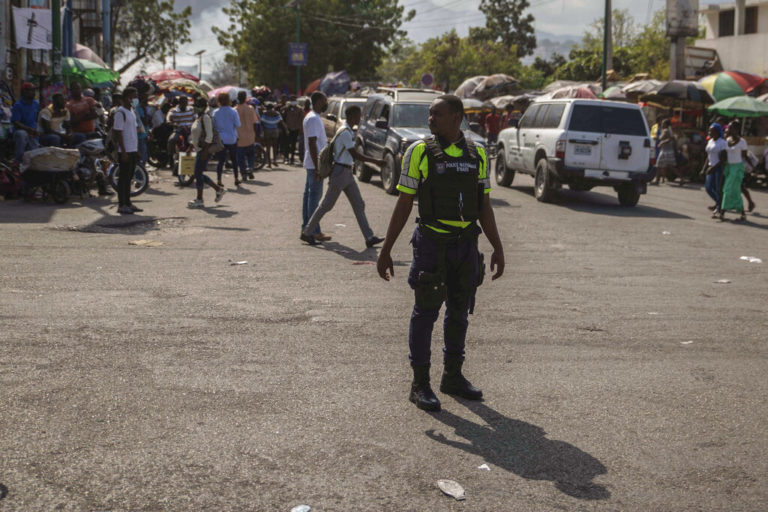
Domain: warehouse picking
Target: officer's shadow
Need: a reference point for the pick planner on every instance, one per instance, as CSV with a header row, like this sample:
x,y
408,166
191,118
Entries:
x,y
523,449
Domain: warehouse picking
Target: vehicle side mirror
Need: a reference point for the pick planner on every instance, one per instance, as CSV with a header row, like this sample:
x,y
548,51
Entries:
x,y
332,117
382,124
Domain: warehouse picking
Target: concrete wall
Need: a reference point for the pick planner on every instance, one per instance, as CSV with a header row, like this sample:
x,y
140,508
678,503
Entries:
x,y
736,52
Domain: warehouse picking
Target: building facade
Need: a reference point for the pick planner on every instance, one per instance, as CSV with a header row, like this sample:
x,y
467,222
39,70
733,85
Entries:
x,y
739,33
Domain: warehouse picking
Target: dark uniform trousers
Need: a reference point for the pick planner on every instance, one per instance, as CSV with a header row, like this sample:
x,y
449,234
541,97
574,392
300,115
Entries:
x,y
461,274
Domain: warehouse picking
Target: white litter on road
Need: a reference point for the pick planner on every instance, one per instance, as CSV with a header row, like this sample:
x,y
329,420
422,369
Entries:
x,y
239,262
751,259
686,342
340,225
666,232
301,508
723,281
653,312
452,489
484,467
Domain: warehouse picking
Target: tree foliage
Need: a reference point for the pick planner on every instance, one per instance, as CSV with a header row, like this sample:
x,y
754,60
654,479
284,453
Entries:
x,y
148,29
450,59
643,51
341,34
506,22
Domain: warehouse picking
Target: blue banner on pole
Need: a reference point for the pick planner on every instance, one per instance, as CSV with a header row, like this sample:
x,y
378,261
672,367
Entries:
x,y
297,54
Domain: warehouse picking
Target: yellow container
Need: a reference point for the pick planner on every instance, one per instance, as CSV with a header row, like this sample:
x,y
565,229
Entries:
x,y
186,165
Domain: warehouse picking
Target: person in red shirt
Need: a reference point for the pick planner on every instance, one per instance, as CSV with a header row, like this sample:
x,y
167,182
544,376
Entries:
x,y
83,111
492,127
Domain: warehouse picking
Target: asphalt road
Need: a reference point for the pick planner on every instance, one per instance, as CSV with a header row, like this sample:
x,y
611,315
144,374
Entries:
x,y
618,373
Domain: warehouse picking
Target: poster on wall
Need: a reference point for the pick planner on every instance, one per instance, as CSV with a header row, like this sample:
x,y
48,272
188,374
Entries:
x,y
33,28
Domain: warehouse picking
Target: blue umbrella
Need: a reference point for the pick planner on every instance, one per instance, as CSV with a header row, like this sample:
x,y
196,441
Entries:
x,y
67,32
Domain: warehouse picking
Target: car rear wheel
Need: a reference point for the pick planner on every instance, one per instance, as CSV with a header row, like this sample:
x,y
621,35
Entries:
x,y
629,195
504,175
543,190
389,175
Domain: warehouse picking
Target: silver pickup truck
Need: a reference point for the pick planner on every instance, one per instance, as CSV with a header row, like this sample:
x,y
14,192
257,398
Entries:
x,y
581,143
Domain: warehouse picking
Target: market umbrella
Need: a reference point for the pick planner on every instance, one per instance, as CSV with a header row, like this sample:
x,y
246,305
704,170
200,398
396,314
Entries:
x,y
683,90
740,106
335,83
642,86
467,87
312,87
87,71
85,53
188,87
232,90
727,84
172,74
495,85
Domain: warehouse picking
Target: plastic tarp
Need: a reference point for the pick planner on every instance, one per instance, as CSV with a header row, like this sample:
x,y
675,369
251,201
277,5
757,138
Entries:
x,y
49,159
335,83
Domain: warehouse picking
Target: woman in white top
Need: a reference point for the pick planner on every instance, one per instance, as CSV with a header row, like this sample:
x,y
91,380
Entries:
x,y
734,172
713,167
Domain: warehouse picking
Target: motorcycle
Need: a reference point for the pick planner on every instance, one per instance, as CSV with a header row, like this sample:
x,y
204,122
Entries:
x,y
183,146
95,165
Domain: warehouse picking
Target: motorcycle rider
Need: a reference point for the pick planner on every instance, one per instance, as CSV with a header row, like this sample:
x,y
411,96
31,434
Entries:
x,y
181,118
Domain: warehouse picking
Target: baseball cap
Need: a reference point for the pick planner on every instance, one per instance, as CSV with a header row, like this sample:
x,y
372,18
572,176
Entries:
x,y
27,85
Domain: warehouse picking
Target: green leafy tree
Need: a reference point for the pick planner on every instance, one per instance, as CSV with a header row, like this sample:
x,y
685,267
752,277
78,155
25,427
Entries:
x,y
506,21
148,29
451,59
643,51
341,34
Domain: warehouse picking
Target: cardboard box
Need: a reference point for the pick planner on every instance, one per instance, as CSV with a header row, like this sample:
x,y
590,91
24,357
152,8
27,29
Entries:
x,y
187,165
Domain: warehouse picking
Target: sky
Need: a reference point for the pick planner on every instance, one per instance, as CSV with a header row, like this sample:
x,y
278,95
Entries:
x,y
552,17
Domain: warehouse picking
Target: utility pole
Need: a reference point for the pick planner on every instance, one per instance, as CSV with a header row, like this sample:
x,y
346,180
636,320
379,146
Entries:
x,y
200,63
56,29
173,43
106,27
607,43
298,40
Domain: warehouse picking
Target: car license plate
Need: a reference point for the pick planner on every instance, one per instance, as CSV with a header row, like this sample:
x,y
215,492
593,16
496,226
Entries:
x,y
582,150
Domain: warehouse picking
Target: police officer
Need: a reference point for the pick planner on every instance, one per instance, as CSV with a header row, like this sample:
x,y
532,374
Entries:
x,y
449,175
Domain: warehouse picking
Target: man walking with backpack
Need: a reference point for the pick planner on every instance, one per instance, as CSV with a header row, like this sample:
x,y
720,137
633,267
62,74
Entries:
x,y
341,180
202,138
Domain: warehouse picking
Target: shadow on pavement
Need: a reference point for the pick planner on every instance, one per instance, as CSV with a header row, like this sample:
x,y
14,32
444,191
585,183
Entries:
x,y
603,204
41,212
369,255
155,192
219,212
502,203
243,191
3,491
257,183
523,449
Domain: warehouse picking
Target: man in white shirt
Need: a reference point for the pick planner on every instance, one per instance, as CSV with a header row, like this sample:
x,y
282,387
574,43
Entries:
x,y
124,126
342,180
314,140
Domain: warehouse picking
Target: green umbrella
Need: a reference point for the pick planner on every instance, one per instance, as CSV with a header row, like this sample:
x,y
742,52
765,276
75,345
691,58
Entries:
x,y
86,70
740,106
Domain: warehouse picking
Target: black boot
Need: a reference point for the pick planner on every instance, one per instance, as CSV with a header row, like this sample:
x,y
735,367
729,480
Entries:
x,y
454,383
421,394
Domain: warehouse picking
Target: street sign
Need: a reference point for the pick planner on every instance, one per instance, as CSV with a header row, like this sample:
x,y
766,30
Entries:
x,y
427,80
297,54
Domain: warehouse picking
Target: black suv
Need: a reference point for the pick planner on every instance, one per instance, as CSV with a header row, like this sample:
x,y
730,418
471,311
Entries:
x,y
392,120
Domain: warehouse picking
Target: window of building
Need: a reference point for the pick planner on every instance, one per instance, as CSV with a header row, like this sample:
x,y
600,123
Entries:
x,y
727,22
750,20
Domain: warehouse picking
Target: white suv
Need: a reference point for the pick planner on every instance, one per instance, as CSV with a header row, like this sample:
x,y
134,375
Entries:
x,y
581,143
